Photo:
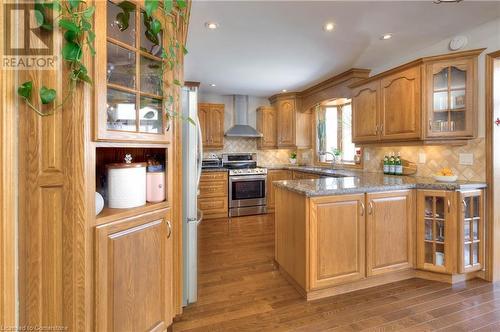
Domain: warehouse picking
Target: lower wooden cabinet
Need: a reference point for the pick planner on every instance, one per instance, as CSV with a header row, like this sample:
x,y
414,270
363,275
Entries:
x,y
337,240
213,198
471,231
390,223
133,285
275,175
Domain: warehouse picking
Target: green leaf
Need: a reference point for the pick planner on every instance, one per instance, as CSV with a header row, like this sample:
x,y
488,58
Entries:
x,y
47,95
168,5
88,12
184,50
85,78
86,26
155,27
91,36
25,90
150,6
69,25
123,20
70,36
39,17
47,26
177,82
74,3
55,5
181,4
72,51
191,121
127,6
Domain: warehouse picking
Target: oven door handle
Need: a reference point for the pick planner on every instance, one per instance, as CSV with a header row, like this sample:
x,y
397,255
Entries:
x,y
233,178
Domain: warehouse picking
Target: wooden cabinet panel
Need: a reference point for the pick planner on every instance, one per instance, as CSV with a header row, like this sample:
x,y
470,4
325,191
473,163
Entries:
x,y
365,114
275,175
266,124
390,224
337,240
400,110
213,176
211,118
134,274
213,189
203,116
471,231
304,175
213,198
286,123
215,207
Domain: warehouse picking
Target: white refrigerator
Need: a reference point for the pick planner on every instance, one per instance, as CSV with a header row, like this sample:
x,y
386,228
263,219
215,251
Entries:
x,y
192,155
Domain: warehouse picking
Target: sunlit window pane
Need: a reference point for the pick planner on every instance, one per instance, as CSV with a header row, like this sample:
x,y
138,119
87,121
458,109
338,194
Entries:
x,y
331,124
348,148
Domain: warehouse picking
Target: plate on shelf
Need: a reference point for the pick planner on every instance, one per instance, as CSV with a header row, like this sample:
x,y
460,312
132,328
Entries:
x,y
443,178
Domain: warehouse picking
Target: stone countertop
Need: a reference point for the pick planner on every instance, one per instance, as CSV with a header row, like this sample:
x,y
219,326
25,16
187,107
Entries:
x,y
370,182
316,170
214,169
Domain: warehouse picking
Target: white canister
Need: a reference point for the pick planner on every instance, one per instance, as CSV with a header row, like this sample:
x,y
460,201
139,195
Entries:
x,y
126,185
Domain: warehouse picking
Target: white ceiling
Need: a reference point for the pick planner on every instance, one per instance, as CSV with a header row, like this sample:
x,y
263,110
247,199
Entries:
x,y
262,47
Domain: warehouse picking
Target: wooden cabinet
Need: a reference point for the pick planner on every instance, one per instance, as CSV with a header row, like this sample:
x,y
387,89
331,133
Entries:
x,y
130,92
337,240
211,118
471,231
213,198
436,230
451,98
267,125
365,114
297,175
400,110
390,222
133,288
275,175
293,126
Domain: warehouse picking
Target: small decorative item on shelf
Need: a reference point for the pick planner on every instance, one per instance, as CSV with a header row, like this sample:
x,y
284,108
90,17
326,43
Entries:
x,y
445,175
337,156
357,156
126,184
322,157
395,165
155,181
99,203
293,158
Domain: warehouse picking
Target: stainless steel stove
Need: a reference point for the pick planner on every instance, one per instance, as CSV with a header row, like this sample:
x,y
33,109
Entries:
x,y
247,184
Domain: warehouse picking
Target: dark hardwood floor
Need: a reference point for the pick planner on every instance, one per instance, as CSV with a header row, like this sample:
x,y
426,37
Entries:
x,y
240,290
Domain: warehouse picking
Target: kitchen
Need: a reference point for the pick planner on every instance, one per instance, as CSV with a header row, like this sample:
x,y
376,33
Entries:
x,y
251,165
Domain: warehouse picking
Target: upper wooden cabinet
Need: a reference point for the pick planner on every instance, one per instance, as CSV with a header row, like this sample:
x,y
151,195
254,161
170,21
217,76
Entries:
x,y
211,118
267,125
294,126
429,99
130,93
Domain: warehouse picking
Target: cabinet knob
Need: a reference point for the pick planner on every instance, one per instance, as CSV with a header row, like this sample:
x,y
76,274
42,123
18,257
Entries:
x,y
370,208
169,229
362,209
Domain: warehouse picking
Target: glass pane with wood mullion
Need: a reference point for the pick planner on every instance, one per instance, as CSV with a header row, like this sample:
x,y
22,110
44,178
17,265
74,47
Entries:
x,y
121,110
121,22
150,115
121,66
151,76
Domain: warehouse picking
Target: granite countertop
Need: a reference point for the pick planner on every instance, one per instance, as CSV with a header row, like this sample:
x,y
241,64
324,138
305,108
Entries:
x,y
214,169
316,170
370,182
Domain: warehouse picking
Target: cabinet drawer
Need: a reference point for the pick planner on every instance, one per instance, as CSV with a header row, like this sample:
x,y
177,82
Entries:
x,y
213,189
213,207
212,176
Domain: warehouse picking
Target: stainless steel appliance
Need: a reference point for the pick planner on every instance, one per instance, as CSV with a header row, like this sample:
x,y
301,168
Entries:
x,y
247,184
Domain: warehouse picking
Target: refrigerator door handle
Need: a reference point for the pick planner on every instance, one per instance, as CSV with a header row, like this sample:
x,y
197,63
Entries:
x,y
200,152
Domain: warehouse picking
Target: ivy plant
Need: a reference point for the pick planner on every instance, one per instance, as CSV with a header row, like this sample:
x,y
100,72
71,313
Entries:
x,y
74,18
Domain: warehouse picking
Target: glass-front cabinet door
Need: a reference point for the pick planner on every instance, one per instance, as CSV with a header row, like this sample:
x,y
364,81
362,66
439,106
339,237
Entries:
x,y
435,221
130,90
471,232
451,110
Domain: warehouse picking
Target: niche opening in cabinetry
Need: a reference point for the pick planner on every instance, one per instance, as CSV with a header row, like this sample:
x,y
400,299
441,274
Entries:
x,y
131,181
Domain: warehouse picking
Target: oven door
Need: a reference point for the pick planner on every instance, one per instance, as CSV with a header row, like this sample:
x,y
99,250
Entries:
x,y
247,190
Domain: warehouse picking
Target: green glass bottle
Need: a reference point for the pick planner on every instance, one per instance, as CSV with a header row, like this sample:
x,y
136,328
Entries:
x,y
392,164
386,164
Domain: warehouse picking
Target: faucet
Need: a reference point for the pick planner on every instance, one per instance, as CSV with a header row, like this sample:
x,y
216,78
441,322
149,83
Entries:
x,y
333,161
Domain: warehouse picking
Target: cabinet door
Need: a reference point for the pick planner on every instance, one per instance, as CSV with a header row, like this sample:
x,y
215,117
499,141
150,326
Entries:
x,y
275,175
436,230
203,116
134,274
365,117
216,126
471,231
451,106
286,123
337,240
400,110
266,124
390,224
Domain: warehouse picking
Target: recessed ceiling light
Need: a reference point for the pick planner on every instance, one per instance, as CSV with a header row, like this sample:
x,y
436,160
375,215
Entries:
x,y
212,85
284,90
329,26
386,36
211,25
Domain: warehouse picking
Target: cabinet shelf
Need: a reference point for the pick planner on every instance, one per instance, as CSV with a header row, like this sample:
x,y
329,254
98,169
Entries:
x,y
108,214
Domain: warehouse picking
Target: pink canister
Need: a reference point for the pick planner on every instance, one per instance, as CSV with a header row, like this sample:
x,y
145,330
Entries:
x,y
155,187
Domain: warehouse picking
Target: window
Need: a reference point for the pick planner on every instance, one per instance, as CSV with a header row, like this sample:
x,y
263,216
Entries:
x,y
334,129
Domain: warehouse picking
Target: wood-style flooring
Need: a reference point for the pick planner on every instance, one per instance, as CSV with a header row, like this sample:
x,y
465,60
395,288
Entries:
x,y
241,290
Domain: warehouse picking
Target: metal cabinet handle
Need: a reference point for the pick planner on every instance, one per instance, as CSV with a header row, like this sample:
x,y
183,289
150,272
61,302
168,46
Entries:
x,y
449,206
464,203
362,209
370,208
376,129
169,229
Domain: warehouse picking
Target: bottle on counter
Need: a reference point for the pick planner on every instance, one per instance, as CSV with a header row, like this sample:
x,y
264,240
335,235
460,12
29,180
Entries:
x,y
386,164
399,165
392,164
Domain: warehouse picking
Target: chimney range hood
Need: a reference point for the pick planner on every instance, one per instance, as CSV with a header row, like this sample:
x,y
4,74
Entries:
x,y
240,116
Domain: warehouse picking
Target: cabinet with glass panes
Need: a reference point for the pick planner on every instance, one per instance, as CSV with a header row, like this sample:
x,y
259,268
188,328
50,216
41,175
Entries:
x,y
435,230
471,231
130,90
451,106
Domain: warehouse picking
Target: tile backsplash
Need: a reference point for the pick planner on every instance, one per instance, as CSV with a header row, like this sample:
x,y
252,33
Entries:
x,y
437,157
243,144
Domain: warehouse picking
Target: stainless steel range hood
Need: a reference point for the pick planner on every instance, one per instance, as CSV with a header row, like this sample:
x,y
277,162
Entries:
x,y
240,127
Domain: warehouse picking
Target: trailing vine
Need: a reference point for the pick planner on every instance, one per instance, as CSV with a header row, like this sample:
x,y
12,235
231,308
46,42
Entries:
x,y
74,18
